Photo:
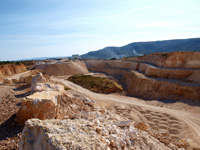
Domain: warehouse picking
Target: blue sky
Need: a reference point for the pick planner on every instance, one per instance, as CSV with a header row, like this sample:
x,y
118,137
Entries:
x,y
46,28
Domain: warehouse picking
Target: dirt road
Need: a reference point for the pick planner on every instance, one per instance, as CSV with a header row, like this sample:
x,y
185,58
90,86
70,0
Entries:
x,y
178,123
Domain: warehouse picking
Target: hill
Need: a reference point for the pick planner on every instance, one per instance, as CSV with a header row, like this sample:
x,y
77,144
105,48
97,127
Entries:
x,y
143,48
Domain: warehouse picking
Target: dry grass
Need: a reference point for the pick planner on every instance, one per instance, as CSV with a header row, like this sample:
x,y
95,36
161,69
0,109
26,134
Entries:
x,y
96,84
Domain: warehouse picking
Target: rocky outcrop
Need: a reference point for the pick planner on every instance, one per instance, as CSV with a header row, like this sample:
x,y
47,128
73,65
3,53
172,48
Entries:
x,y
63,68
94,130
189,60
42,105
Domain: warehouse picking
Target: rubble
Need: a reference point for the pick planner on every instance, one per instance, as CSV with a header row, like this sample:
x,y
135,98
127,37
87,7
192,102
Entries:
x,y
93,131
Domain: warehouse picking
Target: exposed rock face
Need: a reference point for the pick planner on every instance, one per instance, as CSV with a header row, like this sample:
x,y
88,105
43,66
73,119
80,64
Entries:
x,y
96,131
141,85
146,88
42,105
8,70
190,60
101,66
63,68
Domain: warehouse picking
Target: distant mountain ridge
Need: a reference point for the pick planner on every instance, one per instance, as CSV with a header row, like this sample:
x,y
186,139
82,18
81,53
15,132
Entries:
x,y
142,48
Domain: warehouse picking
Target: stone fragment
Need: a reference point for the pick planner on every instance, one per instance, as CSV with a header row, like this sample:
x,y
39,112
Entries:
x,y
85,115
123,123
47,87
89,102
142,126
98,130
133,134
76,116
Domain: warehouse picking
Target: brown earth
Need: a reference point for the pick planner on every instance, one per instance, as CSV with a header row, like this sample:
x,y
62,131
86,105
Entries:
x,y
11,69
10,99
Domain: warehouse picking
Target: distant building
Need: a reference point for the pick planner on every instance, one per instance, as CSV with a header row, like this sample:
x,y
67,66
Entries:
x,y
76,56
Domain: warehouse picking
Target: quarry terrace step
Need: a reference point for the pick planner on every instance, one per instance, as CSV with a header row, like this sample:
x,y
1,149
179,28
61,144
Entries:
x,y
147,82
153,65
184,75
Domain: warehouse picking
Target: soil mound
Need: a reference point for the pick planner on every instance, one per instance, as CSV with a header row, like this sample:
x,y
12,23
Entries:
x,y
63,68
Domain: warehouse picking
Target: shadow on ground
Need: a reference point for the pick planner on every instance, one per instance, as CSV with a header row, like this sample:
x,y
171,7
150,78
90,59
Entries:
x,y
9,128
20,88
23,87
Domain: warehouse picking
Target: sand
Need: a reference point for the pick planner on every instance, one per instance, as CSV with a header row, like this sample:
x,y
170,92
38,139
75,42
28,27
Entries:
x,y
64,68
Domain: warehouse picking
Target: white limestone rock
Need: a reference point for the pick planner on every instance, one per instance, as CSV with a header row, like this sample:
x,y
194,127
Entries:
x,y
133,134
126,123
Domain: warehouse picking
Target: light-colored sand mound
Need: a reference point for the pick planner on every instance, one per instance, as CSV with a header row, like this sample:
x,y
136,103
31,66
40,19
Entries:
x,y
65,68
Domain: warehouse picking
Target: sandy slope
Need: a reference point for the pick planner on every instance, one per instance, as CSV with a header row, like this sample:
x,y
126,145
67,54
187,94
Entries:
x,y
180,121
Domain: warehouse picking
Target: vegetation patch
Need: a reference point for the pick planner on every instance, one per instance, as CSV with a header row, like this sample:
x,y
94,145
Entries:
x,y
96,84
26,62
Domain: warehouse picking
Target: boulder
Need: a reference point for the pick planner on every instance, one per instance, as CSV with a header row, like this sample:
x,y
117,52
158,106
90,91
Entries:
x,y
42,105
39,78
